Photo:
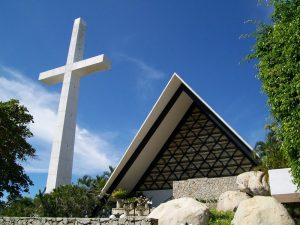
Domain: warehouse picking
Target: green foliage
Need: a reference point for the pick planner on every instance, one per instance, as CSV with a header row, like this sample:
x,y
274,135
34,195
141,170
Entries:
x,y
294,210
93,184
108,173
119,193
67,201
79,200
220,218
207,200
14,149
277,49
19,207
76,200
269,151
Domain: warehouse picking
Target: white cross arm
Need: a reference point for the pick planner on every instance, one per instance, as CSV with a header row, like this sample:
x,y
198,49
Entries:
x,y
81,68
53,76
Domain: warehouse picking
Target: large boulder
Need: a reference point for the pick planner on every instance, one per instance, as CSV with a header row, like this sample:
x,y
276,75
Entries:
x,y
181,211
230,200
253,183
261,210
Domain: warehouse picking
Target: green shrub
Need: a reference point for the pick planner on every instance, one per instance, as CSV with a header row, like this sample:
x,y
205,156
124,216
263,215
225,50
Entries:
x,y
220,218
277,50
119,193
18,207
67,201
76,200
294,210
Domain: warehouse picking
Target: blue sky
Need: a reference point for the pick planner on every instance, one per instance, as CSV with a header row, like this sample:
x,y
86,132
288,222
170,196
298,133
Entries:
x,y
146,41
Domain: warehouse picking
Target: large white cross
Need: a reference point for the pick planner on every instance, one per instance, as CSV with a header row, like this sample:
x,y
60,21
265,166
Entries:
x,y
61,162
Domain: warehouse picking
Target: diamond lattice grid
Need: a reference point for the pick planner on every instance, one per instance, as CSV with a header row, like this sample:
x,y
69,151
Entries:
x,y
198,149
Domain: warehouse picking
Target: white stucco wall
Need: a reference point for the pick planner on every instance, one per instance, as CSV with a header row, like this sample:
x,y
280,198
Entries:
x,y
282,187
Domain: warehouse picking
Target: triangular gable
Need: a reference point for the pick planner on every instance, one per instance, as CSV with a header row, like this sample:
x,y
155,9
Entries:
x,y
181,138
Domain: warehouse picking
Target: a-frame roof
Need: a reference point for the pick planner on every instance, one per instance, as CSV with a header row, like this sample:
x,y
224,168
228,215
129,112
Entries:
x,y
181,138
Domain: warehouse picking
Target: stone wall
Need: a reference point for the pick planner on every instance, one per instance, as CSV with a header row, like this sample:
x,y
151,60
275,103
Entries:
x,y
76,221
204,189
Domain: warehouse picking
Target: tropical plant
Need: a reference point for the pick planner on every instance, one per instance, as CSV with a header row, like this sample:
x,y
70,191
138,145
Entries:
x,y
277,50
96,183
24,207
67,201
76,200
119,193
93,184
269,151
108,173
14,148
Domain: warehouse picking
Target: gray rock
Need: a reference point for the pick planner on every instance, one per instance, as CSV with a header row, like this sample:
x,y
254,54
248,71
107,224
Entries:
x,y
83,221
253,183
181,211
229,200
261,210
122,216
112,217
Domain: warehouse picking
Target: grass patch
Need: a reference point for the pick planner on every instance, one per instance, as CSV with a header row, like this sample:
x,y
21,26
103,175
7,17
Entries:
x,y
220,218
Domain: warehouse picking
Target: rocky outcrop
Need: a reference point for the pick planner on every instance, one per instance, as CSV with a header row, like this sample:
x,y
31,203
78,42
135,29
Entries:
x,y
261,210
181,211
230,200
253,183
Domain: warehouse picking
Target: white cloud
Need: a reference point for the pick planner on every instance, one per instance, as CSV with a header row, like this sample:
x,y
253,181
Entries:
x,y
87,157
147,74
92,151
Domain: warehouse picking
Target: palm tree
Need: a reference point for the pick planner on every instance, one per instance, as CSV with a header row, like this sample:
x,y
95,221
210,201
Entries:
x,y
269,151
96,183
85,181
108,173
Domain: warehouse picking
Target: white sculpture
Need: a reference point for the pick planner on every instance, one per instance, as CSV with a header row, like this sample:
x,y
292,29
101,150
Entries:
x,y
61,162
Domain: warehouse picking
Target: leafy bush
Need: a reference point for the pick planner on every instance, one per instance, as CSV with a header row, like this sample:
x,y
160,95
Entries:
x,y
67,201
119,193
19,207
277,50
220,218
269,151
76,200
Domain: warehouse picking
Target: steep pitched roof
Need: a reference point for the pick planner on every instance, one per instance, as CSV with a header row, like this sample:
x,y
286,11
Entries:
x,y
181,138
